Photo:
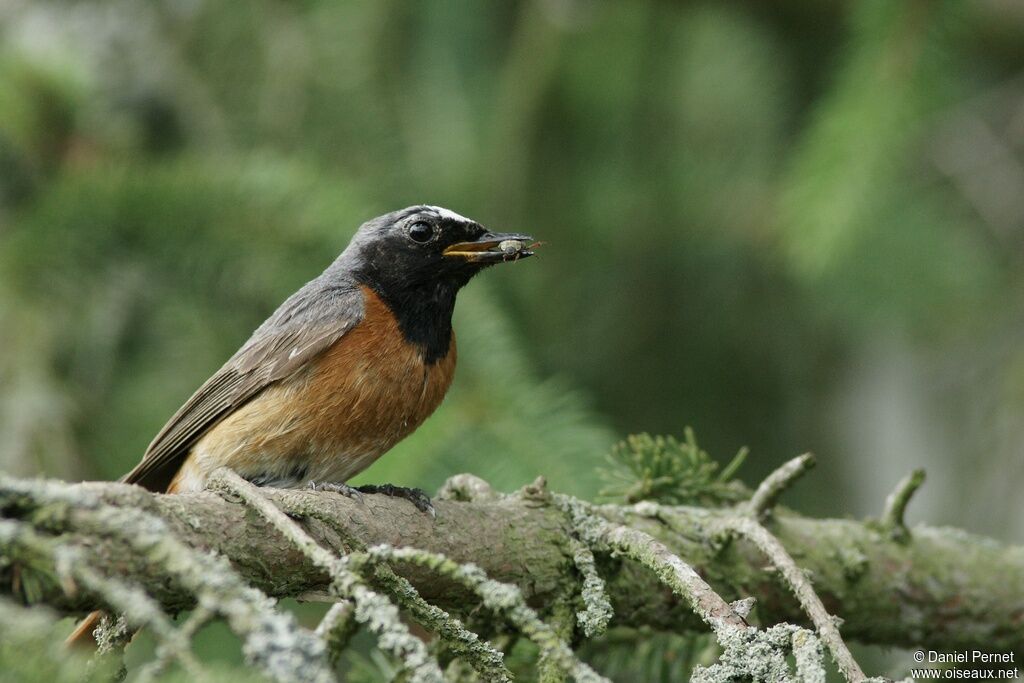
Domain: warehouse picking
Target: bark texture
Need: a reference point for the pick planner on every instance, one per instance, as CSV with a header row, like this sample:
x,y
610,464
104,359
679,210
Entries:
x,y
938,588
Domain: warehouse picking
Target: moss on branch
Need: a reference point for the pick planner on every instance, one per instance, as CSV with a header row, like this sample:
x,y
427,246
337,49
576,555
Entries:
x,y
943,588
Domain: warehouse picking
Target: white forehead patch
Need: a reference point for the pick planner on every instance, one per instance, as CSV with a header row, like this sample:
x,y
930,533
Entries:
x,y
449,215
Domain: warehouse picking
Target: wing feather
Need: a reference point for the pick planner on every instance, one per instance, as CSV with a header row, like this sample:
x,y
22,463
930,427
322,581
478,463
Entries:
x,y
304,327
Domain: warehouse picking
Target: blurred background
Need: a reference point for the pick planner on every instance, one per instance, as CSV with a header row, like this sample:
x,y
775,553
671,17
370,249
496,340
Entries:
x,y
792,225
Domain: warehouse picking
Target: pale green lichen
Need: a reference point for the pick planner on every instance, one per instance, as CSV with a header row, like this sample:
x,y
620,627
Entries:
x,y
597,532
186,632
503,598
84,512
562,620
773,486
32,649
136,610
809,657
853,562
466,487
272,641
112,633
378,613
896,505
382,618
760,656
485,660
597,611
800,584
337,628
31,555
724,620
112,636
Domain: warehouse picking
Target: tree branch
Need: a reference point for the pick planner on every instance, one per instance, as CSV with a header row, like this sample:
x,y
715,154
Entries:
x,y
942,588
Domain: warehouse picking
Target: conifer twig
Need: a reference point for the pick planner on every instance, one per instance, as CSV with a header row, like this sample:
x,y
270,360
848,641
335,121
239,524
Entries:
x,y
897,501
777,482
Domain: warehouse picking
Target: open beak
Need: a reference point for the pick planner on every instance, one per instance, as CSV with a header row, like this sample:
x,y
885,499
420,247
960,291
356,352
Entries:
x,y
493,247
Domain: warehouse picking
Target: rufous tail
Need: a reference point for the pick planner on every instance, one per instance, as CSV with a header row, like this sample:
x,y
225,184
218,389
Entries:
x,y
82,635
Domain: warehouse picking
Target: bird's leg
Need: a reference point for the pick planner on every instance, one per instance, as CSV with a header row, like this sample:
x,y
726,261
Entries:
x,y
417,497
344,489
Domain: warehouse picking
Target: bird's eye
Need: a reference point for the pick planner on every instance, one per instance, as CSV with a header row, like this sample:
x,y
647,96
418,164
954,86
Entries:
x,y
421,232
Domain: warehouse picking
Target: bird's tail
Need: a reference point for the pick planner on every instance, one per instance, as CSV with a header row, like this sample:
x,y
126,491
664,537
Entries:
x,y
82,635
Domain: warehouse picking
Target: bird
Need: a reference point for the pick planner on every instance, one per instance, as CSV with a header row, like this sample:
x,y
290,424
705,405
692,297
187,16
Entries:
x,y
344,369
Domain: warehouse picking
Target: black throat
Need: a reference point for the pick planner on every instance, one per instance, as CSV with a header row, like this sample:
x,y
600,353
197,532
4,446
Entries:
x,y
424,314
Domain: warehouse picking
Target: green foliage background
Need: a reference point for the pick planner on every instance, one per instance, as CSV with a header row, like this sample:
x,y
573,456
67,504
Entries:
x,y
792,225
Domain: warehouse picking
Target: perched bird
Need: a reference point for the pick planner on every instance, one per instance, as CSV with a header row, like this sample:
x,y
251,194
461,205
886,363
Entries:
x,y
342,371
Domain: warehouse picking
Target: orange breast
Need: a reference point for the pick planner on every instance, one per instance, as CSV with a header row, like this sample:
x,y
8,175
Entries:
x,y
333,418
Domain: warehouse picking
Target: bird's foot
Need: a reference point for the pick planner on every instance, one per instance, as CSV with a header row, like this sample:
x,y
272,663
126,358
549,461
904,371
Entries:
x,y
344,489
415,496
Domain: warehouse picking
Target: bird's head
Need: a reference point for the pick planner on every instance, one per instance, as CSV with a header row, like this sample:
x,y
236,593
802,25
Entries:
x,y
424,245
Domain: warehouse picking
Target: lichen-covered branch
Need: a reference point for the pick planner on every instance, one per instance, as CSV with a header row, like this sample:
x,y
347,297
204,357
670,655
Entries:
x,y
503,598
484,659
942,588
749,526
767,494
823,622
675,573
272,642
896,504
372,609
597,609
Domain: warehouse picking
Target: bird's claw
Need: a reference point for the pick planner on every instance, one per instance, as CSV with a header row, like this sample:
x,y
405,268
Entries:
x,y
417,497
344,489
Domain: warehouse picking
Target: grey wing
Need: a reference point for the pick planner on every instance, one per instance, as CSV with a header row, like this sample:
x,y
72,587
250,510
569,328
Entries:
x,y
304,327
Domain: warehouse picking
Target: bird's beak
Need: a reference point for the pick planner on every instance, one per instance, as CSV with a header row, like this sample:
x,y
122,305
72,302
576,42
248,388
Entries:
x,y
493,247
